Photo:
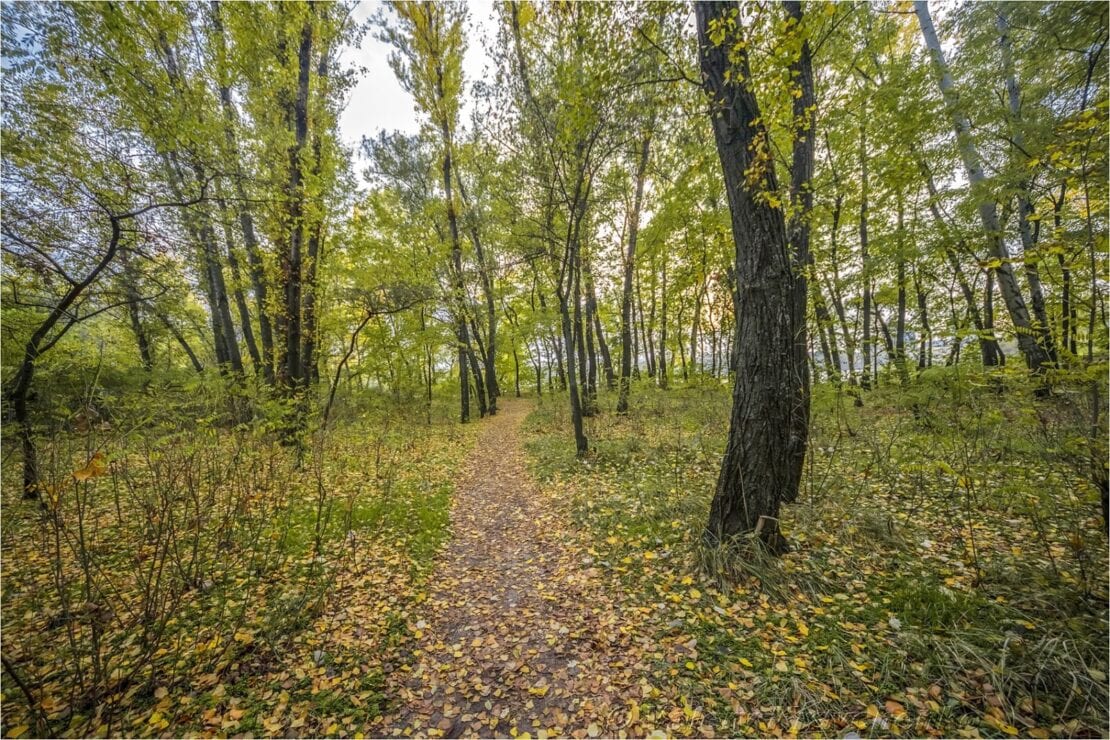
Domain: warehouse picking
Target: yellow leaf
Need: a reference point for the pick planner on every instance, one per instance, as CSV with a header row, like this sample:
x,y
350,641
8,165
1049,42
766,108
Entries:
x,y
803,630
1001,725
746,663
649,555
95,468
17,731
695,594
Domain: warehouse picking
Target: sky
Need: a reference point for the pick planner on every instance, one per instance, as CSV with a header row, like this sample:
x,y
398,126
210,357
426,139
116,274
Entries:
x,y
378,101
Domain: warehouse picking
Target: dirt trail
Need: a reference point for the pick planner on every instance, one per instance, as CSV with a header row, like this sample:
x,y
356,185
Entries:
x,y
518,631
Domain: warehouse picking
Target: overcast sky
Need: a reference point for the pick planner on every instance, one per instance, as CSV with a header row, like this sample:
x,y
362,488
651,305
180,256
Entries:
x,y
378,101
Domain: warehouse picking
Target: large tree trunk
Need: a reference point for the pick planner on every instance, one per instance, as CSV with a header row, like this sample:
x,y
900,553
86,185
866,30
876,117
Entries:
x,y
763,457
629,271
1035,354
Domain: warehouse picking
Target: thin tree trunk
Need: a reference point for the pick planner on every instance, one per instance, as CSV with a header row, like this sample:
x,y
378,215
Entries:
x,y
868,347
925,344
663,328
292,262
1041,326
485,275
900,320
259,283
134,310
1034,352
627,344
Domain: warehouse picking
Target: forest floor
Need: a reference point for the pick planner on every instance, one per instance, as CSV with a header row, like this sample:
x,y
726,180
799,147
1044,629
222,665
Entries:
x,y
519,636
947,577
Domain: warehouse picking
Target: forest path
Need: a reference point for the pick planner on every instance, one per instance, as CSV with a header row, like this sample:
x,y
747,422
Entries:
x,y
518,633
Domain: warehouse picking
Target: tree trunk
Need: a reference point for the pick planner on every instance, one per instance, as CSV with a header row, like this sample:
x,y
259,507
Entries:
x,y
134,310
988,345
925,344
996,356
485,275
1034,352
865,272
900,320
259,282
763,457
292,262
663,328
237,289
627,347
1042,327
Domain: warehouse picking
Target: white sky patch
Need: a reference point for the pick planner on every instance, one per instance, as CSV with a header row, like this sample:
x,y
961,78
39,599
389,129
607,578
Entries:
x,y
378,102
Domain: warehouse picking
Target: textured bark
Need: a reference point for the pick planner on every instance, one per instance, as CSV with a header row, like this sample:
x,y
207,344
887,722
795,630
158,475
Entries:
x,y
763,457
803,149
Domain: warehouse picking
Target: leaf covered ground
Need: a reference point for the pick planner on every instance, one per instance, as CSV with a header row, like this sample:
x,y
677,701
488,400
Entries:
x,y
206,584
948,573
947,577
